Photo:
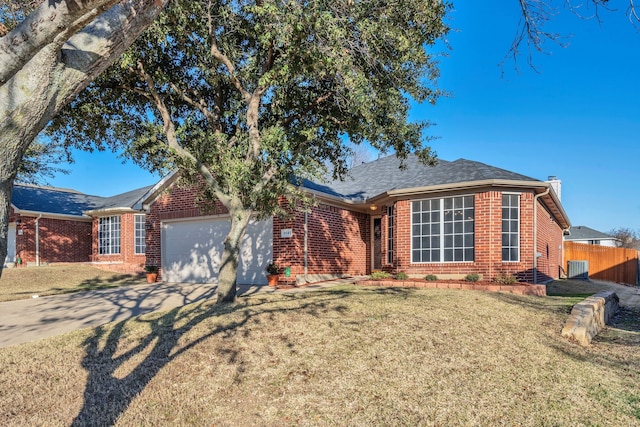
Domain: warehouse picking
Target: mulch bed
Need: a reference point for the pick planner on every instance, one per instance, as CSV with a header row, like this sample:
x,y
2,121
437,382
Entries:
x,y
517,288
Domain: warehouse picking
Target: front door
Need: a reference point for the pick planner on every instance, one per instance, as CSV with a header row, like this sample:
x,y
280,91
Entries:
x,y
377,243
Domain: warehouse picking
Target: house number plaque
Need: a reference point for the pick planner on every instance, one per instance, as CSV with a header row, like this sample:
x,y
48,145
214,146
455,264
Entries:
x,y
286,233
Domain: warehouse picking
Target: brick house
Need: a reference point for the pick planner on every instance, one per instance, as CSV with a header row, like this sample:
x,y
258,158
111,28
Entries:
x,y
53,225
455,218
118,232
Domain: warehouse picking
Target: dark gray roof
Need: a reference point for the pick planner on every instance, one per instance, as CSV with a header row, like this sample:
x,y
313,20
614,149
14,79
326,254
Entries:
x,y
382,175
63,201
125,200
580,232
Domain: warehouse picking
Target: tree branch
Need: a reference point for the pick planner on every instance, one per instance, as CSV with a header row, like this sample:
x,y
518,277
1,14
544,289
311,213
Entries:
x,y
212,117
172,139
288,120
51,22
223,59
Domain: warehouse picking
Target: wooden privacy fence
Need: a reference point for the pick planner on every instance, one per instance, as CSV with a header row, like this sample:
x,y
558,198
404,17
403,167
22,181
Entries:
x,y
618,265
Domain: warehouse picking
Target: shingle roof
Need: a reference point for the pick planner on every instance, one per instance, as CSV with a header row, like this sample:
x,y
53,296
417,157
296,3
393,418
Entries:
x,y
63,201
382,175
125,200
580,232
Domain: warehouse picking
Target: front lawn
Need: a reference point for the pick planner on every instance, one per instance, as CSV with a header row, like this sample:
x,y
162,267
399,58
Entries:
x,y
344,356
20,283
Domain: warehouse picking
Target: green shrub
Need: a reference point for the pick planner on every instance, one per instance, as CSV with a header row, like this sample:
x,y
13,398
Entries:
x,y
472,277
505,279
272,268
379,275
402,275
430,277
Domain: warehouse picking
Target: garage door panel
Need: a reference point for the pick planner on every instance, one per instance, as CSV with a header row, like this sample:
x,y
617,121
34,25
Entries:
x,y
255,253
192,250
11,244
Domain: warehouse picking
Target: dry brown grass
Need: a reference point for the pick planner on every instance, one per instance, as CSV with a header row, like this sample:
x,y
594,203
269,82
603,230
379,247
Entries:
x,y
21,283
344,356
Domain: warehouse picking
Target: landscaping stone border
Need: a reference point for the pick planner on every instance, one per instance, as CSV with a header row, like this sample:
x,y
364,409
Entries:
x,y
519,289
590,316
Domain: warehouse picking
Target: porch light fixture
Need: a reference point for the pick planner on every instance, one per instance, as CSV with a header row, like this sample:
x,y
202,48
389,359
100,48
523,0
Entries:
x,y
147,226
18,222
373,207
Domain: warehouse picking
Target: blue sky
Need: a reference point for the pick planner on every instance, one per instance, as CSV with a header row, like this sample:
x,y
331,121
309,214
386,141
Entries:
x,y
577,118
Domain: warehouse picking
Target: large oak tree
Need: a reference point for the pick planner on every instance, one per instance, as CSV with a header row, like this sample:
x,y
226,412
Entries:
x,y
248,95
49,52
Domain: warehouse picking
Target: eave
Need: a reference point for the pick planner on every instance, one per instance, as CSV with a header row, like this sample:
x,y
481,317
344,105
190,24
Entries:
x,y
50,215
109,211
371,204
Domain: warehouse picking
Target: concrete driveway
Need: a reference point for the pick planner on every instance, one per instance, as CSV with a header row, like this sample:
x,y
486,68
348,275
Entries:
x,y
33,319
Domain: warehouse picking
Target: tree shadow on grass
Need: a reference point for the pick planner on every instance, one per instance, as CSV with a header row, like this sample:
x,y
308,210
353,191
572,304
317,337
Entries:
x,y
108,394
560,305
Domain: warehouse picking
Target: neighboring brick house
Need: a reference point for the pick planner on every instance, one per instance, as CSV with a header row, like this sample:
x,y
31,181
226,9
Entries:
x,y
53,225
450,220
119,229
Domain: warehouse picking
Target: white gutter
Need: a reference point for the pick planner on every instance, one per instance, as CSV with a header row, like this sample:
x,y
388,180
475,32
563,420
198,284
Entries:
x,y
535,234
461,186
52,215
107,211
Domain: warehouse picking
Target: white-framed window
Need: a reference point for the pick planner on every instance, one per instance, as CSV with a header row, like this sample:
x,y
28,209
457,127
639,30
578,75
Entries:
x,y
109,235
140,234
390,221
510,227
442,230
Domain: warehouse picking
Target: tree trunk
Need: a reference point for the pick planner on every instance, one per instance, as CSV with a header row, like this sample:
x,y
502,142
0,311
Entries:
x,y
6,189
228,275
53,77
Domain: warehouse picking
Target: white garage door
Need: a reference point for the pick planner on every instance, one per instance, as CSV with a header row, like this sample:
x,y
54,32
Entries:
x,y
11,244
191,250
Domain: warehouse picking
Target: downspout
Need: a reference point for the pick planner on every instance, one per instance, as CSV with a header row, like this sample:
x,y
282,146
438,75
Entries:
x,y
306,245
38,240
535,234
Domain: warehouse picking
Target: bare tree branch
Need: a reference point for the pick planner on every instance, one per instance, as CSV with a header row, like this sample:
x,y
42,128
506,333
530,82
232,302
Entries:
x,y
536,14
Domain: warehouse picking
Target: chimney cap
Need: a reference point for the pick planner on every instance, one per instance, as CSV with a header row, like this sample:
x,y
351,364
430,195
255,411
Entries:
x,y
553,178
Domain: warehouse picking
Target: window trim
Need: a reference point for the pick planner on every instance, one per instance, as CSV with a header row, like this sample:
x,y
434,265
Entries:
x,y
441,234
143,236
519,231
109,228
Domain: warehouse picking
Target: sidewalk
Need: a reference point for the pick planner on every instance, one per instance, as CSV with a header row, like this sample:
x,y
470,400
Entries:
x,y
33,319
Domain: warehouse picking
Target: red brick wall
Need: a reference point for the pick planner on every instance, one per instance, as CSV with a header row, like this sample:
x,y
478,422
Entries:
x,y
339,239
549,246
127,261
338,242
59,240
179,201
488,241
